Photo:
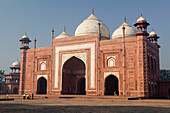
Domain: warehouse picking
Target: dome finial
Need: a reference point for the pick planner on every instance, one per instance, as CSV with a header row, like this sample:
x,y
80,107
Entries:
x,y
64,28
92,11
124,19
141,14
25,33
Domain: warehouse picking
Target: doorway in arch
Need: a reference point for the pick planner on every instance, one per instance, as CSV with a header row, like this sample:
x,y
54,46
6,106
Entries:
x,y
169,93
73,77
15,90
42,86
81,86
111,85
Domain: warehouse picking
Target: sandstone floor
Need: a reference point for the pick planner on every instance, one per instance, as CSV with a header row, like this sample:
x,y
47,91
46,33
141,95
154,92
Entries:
x,y
84,106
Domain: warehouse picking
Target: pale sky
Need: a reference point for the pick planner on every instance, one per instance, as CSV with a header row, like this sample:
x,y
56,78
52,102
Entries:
x,y
38,17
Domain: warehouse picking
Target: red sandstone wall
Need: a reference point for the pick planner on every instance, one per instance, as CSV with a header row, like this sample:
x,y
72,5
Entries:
x,y
114,48
41,54
164,89
137,73
153,69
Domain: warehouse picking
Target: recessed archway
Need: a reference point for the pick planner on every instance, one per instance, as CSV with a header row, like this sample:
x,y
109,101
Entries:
x,y
81,86
73,76
169,93
42,86
15,90
111,85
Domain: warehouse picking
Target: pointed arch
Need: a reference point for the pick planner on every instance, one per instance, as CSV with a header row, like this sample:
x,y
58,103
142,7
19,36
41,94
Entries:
x,y
42,86
73,69
111,62
43,65
111,85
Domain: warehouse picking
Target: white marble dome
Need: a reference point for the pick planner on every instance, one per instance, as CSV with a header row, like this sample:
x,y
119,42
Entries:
x,y
152,33
90,26
129,31
62,35
25,36
141,19
16,64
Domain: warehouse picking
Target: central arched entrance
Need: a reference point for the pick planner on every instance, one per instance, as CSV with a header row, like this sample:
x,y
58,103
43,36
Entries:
x,y
111,85
73,77
42,86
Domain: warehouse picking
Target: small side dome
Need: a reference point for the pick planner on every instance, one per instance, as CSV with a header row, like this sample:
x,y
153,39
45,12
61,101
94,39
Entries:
x,y
25,36
141,20
63,34
152,34
129,31
16,64
90,26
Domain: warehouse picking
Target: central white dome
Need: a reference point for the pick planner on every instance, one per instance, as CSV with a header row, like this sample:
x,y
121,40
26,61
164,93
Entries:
x,y
90,26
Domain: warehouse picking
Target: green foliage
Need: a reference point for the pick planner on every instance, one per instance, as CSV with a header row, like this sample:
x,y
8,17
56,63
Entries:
x,y
1,86
164,74
1,74
1,78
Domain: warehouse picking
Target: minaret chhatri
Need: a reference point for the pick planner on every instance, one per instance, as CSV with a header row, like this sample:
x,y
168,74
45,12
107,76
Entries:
x,y
24,47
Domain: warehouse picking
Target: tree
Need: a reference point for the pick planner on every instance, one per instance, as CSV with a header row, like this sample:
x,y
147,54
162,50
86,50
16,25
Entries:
x,y
1,79
164,74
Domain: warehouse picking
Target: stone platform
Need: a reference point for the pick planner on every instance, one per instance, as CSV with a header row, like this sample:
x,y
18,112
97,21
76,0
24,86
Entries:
x,y
78,97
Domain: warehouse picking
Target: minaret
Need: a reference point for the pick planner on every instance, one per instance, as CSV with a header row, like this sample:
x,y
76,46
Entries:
x,y
24,47
124,63
98,56
142,76
52,38
153,37
141,25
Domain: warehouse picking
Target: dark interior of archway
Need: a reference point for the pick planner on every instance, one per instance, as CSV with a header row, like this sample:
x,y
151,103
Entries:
x,y
81,86
42,86
73,77
169,93
15,90
111,85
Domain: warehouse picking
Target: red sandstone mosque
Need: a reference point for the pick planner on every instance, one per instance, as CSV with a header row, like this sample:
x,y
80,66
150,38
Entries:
x,y
93,63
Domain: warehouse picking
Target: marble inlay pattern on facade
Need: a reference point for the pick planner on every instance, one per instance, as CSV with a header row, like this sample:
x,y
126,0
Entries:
x,y
106,74
82,56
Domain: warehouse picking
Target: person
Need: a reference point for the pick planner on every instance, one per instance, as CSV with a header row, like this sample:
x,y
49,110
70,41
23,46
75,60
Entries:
x,y
27,96
115,94
32,96
7,96
24,96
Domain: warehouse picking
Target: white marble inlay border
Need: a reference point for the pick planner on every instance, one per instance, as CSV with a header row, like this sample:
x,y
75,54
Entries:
x,y
45,76
81,56
111,73
76,47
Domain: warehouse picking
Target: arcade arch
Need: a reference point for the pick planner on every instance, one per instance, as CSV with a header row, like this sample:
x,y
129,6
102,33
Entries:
x,y
111,85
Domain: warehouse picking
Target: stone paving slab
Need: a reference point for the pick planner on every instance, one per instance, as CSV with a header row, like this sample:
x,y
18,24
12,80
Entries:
x,y
84,106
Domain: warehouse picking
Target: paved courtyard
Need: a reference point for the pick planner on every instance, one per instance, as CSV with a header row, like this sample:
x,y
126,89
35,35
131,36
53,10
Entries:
x,y
84,106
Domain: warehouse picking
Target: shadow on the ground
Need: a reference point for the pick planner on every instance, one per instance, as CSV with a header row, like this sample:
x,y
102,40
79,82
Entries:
x,y
24,108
